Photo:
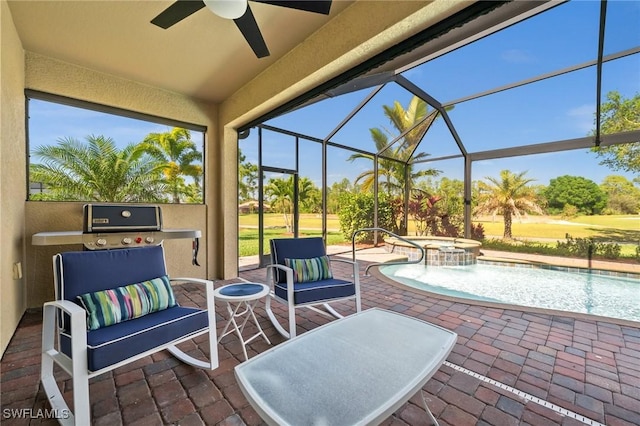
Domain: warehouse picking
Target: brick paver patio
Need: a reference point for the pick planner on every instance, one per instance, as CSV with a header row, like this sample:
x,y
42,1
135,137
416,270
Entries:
x,y
509,367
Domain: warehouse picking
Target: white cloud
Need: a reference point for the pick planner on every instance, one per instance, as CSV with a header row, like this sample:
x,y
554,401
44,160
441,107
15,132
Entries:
x,y
517,56
582,117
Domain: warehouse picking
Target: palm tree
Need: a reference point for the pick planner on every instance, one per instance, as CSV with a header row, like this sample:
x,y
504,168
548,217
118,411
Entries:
x,y
509,196
247,178
96,171
179,153
394,172
280,193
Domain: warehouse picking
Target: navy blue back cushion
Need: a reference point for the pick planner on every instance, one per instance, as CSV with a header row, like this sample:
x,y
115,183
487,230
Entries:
x,y
295,248
89,271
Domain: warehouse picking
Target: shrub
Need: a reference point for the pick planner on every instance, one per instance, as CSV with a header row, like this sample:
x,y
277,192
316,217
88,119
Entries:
x,y
477,231
569,211
356,212
588,247
609,250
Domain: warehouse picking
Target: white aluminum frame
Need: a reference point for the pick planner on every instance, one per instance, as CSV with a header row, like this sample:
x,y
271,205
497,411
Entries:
x,y
291,306
249,302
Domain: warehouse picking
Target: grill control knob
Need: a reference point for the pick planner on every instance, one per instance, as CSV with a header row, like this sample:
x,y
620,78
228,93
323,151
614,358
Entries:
x,y
149,240
126,241
101,242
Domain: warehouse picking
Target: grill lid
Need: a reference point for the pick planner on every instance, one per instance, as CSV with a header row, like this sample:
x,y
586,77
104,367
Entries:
x,y
118,218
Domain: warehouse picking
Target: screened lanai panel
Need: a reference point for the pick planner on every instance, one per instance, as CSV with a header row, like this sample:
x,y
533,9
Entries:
x,y
429,173
558,38
622,27
547,166
310,182
576,178
558,108
342,164
438,142
443,179
356,132
622,76
320,118
278,150
248,167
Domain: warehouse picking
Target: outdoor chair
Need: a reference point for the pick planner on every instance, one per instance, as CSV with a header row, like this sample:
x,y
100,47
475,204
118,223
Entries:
x,y
114,307
300,276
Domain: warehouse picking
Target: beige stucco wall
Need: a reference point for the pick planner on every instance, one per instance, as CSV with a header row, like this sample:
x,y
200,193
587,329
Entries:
x,y
12,176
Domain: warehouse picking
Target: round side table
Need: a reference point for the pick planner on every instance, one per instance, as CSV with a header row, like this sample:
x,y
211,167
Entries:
x,y
241,298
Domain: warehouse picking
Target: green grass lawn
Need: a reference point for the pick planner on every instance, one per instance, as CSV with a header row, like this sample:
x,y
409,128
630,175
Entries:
x,y
624,230
248,239
307,221
621,229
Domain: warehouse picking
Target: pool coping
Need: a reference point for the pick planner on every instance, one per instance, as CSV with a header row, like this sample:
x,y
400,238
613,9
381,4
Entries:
x,y
375,271
491,260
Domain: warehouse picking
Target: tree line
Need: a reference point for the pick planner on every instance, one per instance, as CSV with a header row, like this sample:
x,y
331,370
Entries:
x,y
163,167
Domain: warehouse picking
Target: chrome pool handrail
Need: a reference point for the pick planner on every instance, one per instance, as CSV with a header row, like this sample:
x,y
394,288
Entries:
x,y
408,262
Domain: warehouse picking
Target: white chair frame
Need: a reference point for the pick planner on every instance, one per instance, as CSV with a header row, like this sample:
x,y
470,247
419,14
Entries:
x,y
291,306
77,367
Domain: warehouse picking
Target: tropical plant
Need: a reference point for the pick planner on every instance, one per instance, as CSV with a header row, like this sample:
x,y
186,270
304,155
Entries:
x,y
309,195
335,191
279,192
509,196
180,158
96,171
423,212
394,168
356,212
620,115
622,195
247,178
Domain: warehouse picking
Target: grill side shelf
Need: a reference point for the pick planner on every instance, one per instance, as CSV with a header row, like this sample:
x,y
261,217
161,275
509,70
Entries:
x,y
113,238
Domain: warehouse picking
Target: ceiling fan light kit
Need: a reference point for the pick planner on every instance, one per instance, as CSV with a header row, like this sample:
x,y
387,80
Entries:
x,y
228,9
240,12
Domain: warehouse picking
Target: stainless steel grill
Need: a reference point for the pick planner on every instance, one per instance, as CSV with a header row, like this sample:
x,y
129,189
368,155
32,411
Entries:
x,y
113,226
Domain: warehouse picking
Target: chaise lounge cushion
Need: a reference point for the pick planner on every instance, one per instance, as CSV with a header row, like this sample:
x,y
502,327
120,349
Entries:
x,y
109,345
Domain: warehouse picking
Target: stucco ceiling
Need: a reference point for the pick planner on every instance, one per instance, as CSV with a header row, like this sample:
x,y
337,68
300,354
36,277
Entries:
x,y
203,56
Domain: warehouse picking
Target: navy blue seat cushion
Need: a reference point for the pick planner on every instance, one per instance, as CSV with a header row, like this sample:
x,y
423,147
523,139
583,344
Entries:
x,y
91,271
240,289
316,290
294,248
110,345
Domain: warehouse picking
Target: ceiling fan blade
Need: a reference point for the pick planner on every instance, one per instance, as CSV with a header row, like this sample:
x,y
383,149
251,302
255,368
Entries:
x,y
177,12
249,28
316,6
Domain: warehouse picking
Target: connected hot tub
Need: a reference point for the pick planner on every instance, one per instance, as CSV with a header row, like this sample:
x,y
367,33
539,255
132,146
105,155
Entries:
x,y
439,251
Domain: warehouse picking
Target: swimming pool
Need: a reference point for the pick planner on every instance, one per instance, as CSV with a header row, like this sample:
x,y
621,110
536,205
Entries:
x,y
609,296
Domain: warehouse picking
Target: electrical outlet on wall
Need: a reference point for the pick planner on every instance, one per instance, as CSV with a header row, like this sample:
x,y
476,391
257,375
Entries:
x,y
17,270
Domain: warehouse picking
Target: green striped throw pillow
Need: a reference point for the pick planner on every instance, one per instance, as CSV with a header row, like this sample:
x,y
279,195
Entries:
x,y
108,307
312,269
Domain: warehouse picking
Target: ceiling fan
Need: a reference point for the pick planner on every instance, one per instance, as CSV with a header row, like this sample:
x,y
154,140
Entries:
x,y
240,12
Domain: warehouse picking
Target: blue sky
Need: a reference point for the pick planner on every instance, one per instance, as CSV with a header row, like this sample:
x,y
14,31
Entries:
x,y
549,110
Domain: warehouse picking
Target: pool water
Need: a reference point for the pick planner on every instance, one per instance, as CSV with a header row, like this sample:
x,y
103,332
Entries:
x,y
603,295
